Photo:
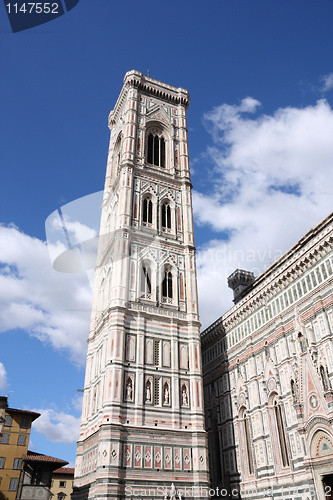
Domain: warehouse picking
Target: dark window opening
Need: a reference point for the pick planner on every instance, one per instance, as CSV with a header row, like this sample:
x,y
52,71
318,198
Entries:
x,y
166,216
324,378
147,216
156,150
167,285
24,422
146,280
281,433
248,443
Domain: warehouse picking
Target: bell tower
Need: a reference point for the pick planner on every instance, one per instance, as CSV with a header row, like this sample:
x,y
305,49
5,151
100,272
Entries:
x,y
142,425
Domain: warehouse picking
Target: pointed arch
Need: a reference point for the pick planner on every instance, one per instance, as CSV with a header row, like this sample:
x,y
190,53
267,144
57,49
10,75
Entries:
x,y
166,353
166,393
167,215
149,351
168,288
156,148
147,279
245,441
184,394
281,433
157,142
130,351
278,430
129,389
147,210
269,369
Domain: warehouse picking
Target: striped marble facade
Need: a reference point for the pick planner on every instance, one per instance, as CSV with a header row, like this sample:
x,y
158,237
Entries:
x,y
268,379
142,425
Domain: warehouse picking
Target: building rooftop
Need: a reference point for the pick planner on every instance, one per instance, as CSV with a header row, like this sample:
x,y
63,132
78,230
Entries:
x,y
64,470
33,414
39,457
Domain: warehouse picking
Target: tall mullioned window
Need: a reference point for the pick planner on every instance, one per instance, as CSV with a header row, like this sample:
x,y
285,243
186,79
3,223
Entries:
x,y
147,211
156,149
167,292
146,281
282,434
248,442
166,216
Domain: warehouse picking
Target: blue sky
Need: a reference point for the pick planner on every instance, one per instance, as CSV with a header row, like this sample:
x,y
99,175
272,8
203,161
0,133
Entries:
x,y
260,77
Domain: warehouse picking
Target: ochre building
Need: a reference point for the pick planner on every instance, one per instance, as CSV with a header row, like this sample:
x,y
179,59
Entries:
x,y
14,439
62,483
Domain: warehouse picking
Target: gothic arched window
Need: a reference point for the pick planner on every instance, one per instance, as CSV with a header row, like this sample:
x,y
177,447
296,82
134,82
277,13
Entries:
x,y
167,291
145,286
148,391
166,215
246,441
281,433
156,149
129,389
147,211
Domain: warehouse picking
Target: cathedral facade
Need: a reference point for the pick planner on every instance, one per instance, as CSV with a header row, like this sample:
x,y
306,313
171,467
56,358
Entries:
x,y
268,378
142,430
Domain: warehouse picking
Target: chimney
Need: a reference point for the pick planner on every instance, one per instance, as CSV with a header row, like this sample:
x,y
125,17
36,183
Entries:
x,y
240,282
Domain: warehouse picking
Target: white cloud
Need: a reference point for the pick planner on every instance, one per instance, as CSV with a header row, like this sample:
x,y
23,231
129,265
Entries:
x,y
272,178
49,305
3,377
77,402
58,427
327,82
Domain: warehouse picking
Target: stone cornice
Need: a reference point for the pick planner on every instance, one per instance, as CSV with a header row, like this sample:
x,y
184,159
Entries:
x,y
317,243
148,86
212,333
